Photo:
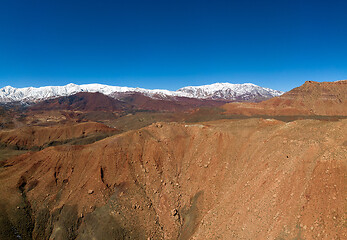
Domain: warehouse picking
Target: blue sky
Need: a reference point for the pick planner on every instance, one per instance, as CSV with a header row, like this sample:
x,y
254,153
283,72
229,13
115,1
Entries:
x,y
170,44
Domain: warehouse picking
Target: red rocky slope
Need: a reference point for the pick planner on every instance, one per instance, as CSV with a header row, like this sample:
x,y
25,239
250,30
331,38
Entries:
x,y
312,98
230,179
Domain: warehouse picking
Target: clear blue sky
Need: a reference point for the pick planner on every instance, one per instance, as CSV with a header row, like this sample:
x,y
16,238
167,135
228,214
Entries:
x,y
170,44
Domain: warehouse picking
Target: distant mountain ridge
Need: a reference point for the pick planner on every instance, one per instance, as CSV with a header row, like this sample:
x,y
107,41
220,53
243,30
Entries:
x,y
228,91
217,91
95,101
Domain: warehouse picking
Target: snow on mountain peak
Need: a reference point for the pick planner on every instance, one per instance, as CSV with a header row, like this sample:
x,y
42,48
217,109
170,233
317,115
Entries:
x,y
224,91
229,91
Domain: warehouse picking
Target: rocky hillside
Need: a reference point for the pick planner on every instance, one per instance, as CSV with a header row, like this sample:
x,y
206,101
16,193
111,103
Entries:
x,y
38,136
229,179
122,102
138,101
81,102
312,98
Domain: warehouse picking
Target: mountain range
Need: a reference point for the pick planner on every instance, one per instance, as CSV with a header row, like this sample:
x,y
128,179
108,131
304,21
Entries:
x,y
134,165
216,91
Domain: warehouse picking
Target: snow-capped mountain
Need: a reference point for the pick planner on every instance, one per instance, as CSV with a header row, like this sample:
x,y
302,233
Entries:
x,y
228,91
221,91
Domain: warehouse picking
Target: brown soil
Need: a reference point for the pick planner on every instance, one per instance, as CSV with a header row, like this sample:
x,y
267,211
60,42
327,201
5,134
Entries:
x,y
6,153
312,98
37,136
228,179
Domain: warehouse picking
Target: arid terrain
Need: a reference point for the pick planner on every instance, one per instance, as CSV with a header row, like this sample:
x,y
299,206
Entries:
x,y
88,166
312,98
